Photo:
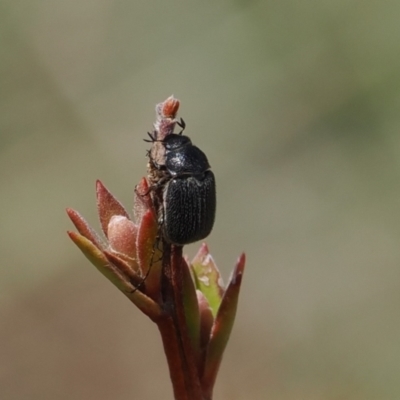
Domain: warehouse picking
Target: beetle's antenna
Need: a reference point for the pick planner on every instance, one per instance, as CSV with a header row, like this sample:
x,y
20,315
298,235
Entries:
x,y
152,138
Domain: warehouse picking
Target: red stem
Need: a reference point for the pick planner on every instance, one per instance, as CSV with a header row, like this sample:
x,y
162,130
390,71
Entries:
x,y
177,346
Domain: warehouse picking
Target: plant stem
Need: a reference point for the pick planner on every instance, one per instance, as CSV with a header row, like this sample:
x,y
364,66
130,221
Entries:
x,y
172,325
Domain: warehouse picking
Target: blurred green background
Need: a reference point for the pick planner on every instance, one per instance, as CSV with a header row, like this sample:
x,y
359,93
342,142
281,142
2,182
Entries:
x,y
296,104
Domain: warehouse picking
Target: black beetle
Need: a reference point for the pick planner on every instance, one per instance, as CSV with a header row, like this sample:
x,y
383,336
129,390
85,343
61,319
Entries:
x,y
187,188
188,192
189,196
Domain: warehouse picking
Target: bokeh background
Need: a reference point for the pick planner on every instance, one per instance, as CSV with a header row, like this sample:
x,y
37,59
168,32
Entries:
x,y
296,104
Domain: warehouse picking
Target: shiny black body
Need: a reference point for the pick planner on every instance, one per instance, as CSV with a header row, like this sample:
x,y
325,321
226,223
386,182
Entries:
x,y
189,195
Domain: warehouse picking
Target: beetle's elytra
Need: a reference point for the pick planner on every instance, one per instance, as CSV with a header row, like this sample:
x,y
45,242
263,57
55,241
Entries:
x,y
188,206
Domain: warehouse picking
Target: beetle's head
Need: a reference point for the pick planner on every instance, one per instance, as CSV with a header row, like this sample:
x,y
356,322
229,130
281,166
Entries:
x,y
175,142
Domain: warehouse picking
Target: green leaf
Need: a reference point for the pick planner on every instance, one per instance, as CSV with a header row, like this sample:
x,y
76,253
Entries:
x,y
222,327
208,278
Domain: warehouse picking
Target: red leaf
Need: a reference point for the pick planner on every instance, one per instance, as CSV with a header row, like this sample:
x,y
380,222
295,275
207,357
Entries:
x,y
83,228
100,261
122,233
107,206
191,307
123,267
148,255
142,201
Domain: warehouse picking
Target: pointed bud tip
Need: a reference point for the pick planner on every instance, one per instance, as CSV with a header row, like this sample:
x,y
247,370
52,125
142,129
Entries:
x,y
202,254
74,236
204,248
241,261
71,213
239,270
100,188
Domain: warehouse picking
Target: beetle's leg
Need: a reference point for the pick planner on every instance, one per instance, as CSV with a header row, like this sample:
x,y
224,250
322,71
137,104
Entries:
x,y
182,124
155,186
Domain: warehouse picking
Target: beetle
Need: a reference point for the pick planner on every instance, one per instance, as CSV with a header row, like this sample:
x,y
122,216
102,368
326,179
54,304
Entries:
x,y
189,194
183,177
187,187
